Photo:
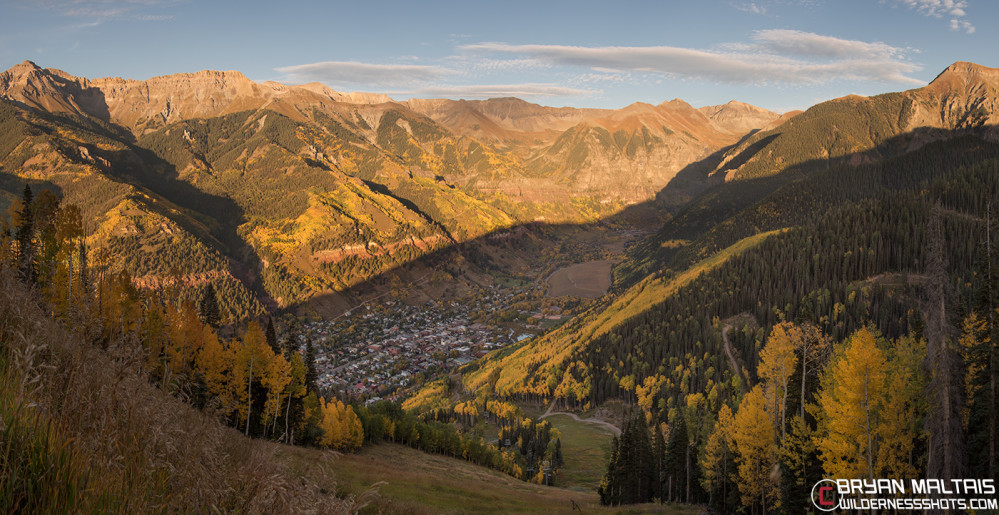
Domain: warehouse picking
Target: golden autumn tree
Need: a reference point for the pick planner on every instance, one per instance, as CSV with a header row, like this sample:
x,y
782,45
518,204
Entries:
x,y
850,403
296,391
903,410
186,331
756,448
249,359
341,427
275,376
777,362
64,291
716,454
215,363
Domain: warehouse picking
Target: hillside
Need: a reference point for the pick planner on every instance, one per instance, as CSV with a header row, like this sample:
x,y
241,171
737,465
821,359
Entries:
x,y
835,139
904,175
86,430
830,232
290,193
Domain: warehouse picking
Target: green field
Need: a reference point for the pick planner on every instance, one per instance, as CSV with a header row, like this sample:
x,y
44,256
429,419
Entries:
x,y
585,448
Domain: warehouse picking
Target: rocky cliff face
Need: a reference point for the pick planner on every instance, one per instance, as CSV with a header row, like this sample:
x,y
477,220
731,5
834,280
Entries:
x,y
964,95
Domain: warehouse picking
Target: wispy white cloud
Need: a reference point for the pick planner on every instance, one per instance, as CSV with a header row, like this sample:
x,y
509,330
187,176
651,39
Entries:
x,y
953,9
807,44
96,12
771,56
750,7
366,74
526,90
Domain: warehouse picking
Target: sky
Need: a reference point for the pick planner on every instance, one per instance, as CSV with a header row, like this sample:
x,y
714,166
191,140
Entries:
x,y
777,54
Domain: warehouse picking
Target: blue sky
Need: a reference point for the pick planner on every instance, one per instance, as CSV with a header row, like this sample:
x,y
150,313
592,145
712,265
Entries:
x,y
777,54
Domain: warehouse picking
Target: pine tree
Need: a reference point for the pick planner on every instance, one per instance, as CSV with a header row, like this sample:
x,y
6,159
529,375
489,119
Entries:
x,y
311,374
676,461
610,485
84,270
979,337
25,236
658,465
271,335
208,306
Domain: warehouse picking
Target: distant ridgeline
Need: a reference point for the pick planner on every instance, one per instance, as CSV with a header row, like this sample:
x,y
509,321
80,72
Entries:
x,y
278,194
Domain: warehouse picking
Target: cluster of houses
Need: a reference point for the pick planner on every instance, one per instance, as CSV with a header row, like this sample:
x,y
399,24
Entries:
x,y
374,352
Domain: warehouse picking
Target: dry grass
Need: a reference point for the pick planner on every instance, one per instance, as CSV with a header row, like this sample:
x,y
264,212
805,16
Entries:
x,y
125,445
416,482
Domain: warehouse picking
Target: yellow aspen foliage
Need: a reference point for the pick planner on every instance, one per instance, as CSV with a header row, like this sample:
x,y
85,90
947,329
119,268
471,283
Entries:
x,y
185,338
903,410
355,435
215,363
795,448
248,363
341,427
331,423
756,448
717,450
275,377
777,362
646,394
120,305
850,400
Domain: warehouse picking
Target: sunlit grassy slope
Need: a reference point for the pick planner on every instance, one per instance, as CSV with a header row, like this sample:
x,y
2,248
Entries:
x,y
519,368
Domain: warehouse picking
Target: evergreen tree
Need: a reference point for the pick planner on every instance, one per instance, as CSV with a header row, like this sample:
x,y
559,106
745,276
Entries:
x,y
659,465
208,306
629,473
84,273
610,485
291,340
311,374
271,336
981,357
25,236
677,457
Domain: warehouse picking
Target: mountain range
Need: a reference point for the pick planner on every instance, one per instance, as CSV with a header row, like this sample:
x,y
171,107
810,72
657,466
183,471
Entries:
x,y
285,192
280,194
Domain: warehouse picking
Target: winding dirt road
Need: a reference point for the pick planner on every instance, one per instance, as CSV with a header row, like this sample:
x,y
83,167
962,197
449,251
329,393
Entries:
x,y
596,421
731,357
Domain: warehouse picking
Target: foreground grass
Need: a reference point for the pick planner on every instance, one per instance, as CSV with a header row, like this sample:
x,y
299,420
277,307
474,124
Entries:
x,y
82,430
411,481
417,482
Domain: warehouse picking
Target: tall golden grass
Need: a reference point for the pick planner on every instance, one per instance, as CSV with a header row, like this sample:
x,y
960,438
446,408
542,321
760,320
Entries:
x,y
83,430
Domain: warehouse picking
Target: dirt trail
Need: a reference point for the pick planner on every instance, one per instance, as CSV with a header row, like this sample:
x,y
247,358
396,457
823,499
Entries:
x,y
731,357
614,429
